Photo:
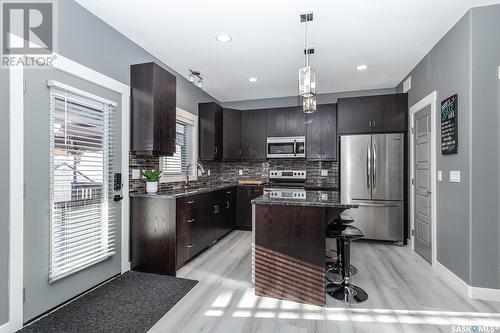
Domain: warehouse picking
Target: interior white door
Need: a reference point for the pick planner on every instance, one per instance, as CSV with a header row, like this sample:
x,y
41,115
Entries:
x,y
422,194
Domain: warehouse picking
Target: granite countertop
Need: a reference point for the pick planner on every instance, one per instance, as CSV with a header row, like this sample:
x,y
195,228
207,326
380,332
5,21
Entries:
x,y
181,192
323,199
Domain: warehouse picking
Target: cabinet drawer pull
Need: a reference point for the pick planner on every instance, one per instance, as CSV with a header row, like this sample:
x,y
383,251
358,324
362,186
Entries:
x,y
227,204
229,192
191,220
191,202
190,246
216,209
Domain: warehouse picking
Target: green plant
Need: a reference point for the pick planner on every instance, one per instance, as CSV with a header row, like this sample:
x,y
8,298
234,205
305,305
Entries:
x,y
150,175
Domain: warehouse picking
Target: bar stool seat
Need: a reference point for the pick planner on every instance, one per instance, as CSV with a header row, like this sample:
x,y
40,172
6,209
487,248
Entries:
x,y
345,291
333,265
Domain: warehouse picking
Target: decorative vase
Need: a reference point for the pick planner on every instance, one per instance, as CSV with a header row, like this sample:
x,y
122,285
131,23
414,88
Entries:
x,y
151,187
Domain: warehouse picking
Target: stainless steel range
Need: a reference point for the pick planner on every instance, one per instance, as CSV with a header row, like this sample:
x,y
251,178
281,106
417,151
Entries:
x,y
287,184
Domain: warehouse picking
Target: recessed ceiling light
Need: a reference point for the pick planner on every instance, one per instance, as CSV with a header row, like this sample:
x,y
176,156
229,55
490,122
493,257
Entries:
x,y
361,67
253,79
224,38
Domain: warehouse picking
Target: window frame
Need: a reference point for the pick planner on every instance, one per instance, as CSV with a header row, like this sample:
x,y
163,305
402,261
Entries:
x,y
190,120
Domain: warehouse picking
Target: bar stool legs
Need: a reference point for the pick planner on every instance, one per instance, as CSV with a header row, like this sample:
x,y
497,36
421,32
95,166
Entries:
x,y
346,292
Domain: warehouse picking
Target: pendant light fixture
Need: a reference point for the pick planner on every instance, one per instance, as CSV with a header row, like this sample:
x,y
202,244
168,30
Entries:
x,y
307,74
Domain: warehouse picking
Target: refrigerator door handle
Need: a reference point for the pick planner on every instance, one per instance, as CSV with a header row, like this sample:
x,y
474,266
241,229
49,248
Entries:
x,y
366,204
368,165
374,182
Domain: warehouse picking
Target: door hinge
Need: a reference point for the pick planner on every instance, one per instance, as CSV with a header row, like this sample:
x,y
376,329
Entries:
x,y
413,232
413,181
24,86
412,130
24,295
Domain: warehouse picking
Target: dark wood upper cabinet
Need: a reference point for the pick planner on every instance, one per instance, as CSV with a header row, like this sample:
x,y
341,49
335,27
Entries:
x,y
287,121
153,110
253,135
210,122
231,149
321,137
373,114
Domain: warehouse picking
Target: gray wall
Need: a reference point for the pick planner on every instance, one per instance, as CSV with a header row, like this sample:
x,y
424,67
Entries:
x,y
485,154
4,197
294,100
446,69
88,40
466,62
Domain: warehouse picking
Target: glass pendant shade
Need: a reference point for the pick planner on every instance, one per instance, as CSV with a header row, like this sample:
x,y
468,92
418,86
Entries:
x,y
307,82
309,104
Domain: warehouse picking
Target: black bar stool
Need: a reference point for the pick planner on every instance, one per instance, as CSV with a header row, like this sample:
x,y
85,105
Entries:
x,y
333,266
345,291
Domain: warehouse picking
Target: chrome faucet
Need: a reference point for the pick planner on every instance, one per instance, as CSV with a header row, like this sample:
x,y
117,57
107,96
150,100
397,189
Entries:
x,y
198,165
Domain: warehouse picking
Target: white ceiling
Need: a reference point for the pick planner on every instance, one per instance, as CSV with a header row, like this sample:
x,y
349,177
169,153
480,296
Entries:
x,y
391,36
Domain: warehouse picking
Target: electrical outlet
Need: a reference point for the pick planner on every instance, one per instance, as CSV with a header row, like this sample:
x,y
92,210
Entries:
x,y
136,174
240,172
324,173
440,175
454,176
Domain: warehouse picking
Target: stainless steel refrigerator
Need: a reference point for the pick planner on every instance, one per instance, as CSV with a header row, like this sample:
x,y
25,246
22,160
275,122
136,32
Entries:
x,y
371,171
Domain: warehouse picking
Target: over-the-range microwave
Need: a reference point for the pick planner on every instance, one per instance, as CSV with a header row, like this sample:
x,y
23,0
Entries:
x,y
286,147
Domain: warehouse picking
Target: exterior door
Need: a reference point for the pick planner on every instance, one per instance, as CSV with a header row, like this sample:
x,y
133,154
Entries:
x,y
356,167
422,194
71,152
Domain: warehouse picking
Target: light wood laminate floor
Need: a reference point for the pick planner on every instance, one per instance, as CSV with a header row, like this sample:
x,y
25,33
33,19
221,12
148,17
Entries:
x,y
404,296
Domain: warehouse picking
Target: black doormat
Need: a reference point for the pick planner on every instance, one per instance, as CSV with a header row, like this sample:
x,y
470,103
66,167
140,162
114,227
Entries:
x,y
132,302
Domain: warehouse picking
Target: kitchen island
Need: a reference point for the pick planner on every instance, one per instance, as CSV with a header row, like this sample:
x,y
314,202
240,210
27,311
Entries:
x,y
289,244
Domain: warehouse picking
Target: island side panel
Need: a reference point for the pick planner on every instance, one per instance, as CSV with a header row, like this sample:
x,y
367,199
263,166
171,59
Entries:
x,y
290,253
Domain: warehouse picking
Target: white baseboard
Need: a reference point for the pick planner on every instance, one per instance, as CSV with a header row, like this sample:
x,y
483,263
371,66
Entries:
x,y
5,328
463,288
486,294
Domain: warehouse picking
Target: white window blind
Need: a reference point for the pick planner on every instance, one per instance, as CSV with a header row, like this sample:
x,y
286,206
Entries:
x,y
184,154
82,164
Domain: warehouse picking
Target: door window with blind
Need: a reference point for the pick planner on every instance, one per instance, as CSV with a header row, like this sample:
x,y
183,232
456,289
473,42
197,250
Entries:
x,y
81,166
174,167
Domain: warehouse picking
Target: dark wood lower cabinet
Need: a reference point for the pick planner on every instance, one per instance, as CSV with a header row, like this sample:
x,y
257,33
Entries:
x,y
245,195
166,233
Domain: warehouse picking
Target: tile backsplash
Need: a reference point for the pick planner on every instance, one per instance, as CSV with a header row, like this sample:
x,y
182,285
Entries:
x,y
229,171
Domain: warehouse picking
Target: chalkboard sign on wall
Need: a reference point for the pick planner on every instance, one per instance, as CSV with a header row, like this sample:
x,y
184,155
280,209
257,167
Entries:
x,y
449,125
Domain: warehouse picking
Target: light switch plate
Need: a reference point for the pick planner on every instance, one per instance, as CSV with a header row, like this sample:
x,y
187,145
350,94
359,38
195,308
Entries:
x,y
136,174
324,173
440,175
455,176
240,172
208,172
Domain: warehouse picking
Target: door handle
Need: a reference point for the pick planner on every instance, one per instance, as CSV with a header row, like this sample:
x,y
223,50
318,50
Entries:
x,y
117,198
368,166
374,182
364,204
